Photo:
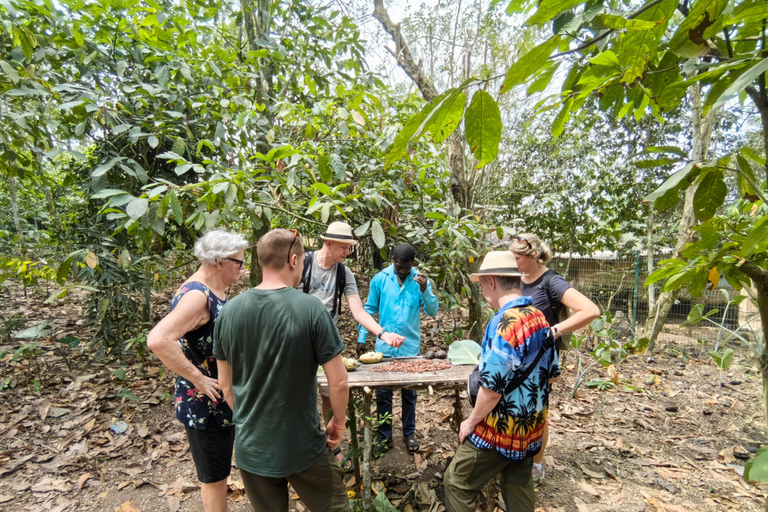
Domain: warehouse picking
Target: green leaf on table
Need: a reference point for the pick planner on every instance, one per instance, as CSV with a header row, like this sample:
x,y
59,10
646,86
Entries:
x,y
464,352
756,468
482,127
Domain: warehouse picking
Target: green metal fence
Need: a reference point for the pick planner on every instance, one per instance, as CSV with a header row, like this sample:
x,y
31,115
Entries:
x,y
617,284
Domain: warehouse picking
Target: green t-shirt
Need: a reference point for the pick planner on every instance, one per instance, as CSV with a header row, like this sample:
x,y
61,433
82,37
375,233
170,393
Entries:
x,y
274,341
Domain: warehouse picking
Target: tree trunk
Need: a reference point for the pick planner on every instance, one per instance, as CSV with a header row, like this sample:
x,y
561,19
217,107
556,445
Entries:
x,y
14,205
257,27
649,248
702,136
462,178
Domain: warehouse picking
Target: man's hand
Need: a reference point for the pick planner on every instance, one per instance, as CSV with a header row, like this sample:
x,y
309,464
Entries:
x,y
360,350
392,339
467,427
334,433
208,386
422,280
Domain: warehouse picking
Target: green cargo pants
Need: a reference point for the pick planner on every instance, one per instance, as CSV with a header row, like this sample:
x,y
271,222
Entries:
x,y
472,468
320,487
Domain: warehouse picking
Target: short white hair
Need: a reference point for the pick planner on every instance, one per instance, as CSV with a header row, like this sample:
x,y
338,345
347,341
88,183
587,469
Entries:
x,y
218,244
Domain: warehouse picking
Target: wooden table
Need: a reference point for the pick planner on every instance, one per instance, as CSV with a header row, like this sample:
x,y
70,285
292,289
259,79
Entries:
x,y
365,380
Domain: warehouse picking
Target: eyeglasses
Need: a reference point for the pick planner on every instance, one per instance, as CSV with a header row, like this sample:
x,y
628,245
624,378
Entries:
x,y
290,248
521,239
239,262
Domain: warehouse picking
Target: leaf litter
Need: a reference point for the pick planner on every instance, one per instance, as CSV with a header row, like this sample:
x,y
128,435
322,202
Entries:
x,y
678,446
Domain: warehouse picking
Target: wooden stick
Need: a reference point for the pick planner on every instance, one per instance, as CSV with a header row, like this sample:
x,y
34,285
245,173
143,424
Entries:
x,y
367,450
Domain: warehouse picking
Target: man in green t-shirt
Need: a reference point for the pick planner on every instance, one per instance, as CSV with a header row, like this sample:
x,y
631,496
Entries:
x,y
268,342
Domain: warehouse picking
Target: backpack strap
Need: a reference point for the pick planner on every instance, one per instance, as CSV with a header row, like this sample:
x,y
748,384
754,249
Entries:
x,y
306,274
518,381
341,284
545,285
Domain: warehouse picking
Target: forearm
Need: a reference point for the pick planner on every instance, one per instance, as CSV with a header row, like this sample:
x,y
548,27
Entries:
x,y
367,321
229,396
339,396
486,401
431,304
577,321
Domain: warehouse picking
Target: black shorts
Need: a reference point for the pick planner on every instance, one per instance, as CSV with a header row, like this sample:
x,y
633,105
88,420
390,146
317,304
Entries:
x,y
212,451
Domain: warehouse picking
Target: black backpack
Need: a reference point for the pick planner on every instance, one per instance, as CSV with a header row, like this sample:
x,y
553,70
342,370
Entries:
x,y
341,280
561,312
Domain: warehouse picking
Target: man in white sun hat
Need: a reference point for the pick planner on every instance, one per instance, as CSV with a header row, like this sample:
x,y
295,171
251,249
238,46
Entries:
x,y
327,278
518,361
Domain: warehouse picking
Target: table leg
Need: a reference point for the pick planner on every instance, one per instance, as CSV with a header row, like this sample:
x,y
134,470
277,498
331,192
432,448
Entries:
x,y
367,451
353,439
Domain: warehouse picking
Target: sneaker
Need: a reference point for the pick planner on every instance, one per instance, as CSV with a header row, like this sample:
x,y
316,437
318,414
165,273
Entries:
x,y
538,472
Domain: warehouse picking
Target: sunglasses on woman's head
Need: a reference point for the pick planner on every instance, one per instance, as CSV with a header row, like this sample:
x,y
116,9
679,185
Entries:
x,y
521,239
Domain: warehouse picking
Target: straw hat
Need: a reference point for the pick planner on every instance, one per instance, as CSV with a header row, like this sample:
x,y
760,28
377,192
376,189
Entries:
x,y
497,263
339,232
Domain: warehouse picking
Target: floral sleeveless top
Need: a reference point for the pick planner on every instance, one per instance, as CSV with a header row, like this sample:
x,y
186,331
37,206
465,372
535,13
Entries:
x,y
193,408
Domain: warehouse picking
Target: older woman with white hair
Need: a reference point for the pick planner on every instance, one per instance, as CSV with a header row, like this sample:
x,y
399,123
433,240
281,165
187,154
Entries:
x,y
183,341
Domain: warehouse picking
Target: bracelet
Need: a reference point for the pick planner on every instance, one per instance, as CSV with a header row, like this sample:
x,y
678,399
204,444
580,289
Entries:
x,y
554,328
381,333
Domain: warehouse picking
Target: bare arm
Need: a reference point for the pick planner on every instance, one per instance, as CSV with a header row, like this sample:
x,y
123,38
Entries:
x,y
584,311
338,390
366,320
190,313
225,380
486,401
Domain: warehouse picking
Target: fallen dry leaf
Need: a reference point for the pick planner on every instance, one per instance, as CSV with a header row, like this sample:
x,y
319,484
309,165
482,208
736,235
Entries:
x,y
130,507
5,497
588,488
45,406
81,481
581,505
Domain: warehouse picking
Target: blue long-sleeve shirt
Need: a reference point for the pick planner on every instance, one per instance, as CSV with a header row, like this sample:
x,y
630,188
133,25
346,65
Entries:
x,y
399,309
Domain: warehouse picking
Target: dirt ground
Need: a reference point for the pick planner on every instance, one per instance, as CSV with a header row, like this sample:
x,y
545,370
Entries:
x,y
677,444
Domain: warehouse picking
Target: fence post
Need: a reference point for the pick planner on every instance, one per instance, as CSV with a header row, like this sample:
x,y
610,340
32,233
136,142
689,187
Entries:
x,y
634,298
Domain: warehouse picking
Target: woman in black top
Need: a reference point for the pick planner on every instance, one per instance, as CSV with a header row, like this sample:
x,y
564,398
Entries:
x,y
550,293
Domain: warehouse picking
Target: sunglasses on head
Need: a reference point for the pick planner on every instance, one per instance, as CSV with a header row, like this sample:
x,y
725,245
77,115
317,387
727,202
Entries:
x,y
295,236
521,239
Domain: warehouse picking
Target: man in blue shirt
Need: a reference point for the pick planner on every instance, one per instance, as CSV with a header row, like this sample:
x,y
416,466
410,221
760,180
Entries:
x,y
397,294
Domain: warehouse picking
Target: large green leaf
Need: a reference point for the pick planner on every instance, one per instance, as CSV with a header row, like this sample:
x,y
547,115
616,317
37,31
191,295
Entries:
x,y
414,128
543,80
482,127
378,234
447,117
32,333
680,178
757,240
741,83
745,179
464,352
638,47
688,41
709,195
606,21
548,9
137,207
529,63
756,468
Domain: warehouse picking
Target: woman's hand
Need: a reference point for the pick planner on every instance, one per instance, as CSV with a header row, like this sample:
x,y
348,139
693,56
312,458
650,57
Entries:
x,y
209,386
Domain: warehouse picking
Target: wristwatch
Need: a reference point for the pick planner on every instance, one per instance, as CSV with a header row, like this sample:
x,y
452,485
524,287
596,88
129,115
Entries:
x,y
381,333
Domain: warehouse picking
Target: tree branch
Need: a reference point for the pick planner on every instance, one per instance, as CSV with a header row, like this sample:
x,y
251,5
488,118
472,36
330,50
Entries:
x,y
403,55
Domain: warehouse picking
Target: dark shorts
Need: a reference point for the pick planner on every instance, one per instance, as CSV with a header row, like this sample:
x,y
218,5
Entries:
x,y
212,451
